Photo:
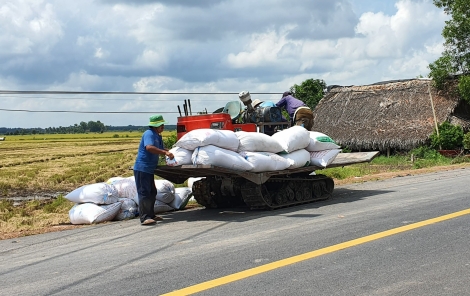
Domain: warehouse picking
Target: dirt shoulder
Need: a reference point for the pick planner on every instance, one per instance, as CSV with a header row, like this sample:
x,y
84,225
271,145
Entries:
x,y
367,178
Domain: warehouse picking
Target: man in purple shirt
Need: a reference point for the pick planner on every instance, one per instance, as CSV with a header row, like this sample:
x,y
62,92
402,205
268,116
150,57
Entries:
x,y
150,148
298,111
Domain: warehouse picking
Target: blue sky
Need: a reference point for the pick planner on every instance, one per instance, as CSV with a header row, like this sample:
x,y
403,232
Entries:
x,y
206,46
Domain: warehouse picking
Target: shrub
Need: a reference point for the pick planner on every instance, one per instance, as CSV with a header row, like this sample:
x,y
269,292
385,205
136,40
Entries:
x,y
115,136
466,141
450,137
170,140
425,152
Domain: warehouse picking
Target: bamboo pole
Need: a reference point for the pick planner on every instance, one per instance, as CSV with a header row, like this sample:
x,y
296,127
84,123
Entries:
x,y
433,111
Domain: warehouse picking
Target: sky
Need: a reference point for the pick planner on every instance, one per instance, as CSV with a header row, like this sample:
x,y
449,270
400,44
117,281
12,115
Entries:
x,y
204,51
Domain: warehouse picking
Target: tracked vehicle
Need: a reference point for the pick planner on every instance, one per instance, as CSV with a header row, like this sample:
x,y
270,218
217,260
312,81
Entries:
x,y
222,187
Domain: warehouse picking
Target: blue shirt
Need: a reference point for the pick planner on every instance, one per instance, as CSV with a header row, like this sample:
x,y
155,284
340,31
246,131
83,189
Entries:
x,y
291,104
267,104
147,162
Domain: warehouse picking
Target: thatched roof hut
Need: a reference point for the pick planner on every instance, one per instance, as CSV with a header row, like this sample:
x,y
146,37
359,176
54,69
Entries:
x,y
397,115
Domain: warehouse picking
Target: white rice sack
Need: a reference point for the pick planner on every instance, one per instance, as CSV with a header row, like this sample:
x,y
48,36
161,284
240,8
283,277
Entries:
x,y
265,161
114,179
299,158
128,210
90,213
220,157
181,157
182,196
191,181
320,142
293,138
204,137
126,187
323,158
251,141
165,191
161,207
98,193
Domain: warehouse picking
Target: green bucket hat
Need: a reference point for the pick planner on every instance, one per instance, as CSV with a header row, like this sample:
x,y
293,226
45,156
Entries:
x,y
156,120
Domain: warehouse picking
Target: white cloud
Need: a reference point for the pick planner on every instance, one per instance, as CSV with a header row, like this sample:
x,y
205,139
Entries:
x,y
263,49
32,27
209,46
152,59
79,81
153,84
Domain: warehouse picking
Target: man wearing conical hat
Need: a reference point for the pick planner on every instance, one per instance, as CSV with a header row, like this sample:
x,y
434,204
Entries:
x,y
150,148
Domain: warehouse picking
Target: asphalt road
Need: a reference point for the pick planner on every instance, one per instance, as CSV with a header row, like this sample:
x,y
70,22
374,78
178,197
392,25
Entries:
x,y
403,236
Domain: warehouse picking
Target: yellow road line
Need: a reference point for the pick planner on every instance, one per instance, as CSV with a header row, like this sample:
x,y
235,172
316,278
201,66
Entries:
x,y
302,257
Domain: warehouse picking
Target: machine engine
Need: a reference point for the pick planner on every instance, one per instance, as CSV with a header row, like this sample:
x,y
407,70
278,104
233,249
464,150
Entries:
x,y
262,114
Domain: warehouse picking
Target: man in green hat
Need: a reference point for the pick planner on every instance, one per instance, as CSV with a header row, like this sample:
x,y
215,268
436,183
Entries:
x,y
150,148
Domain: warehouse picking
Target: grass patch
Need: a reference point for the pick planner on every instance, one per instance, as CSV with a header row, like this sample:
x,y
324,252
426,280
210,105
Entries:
x,y
33,217
58,205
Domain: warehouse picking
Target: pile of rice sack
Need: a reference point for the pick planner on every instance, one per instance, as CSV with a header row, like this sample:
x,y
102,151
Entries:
x,y
117,200
290,148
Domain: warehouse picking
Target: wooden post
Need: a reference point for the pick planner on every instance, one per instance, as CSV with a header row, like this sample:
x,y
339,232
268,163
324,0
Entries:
x,y
433,111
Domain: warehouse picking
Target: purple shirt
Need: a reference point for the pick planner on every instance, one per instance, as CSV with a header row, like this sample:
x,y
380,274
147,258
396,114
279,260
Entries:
x,y
291,104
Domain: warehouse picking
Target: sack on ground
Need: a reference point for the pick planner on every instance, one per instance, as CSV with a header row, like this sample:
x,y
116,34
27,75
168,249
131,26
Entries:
x,y
182,196
165,191
181,157
204,137
98,193
323,158
265,161
299,158
128,210
293,138
90,213
114,179
126,187
251,141
319,142
161,207
220,157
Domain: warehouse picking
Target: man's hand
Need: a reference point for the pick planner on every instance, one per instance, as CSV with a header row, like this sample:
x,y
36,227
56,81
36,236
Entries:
x,y
169,154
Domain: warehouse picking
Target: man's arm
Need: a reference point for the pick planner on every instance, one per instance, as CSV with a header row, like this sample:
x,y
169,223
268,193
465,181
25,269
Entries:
x,y
154,150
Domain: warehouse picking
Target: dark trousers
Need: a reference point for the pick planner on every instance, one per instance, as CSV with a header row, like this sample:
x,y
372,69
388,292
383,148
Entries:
x,y
146,192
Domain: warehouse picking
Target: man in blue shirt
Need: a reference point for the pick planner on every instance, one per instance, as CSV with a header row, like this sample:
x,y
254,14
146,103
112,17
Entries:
x,y
150,148
298,111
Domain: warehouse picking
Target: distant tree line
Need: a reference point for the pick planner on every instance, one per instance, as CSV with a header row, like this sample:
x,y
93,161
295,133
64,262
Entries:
x,y
77,128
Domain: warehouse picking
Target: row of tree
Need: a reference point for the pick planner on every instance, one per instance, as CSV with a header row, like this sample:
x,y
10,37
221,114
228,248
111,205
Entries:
x,y
82,127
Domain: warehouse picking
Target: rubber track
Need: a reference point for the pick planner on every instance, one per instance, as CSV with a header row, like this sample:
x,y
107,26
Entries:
x,y
287,192
202,194
293,192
